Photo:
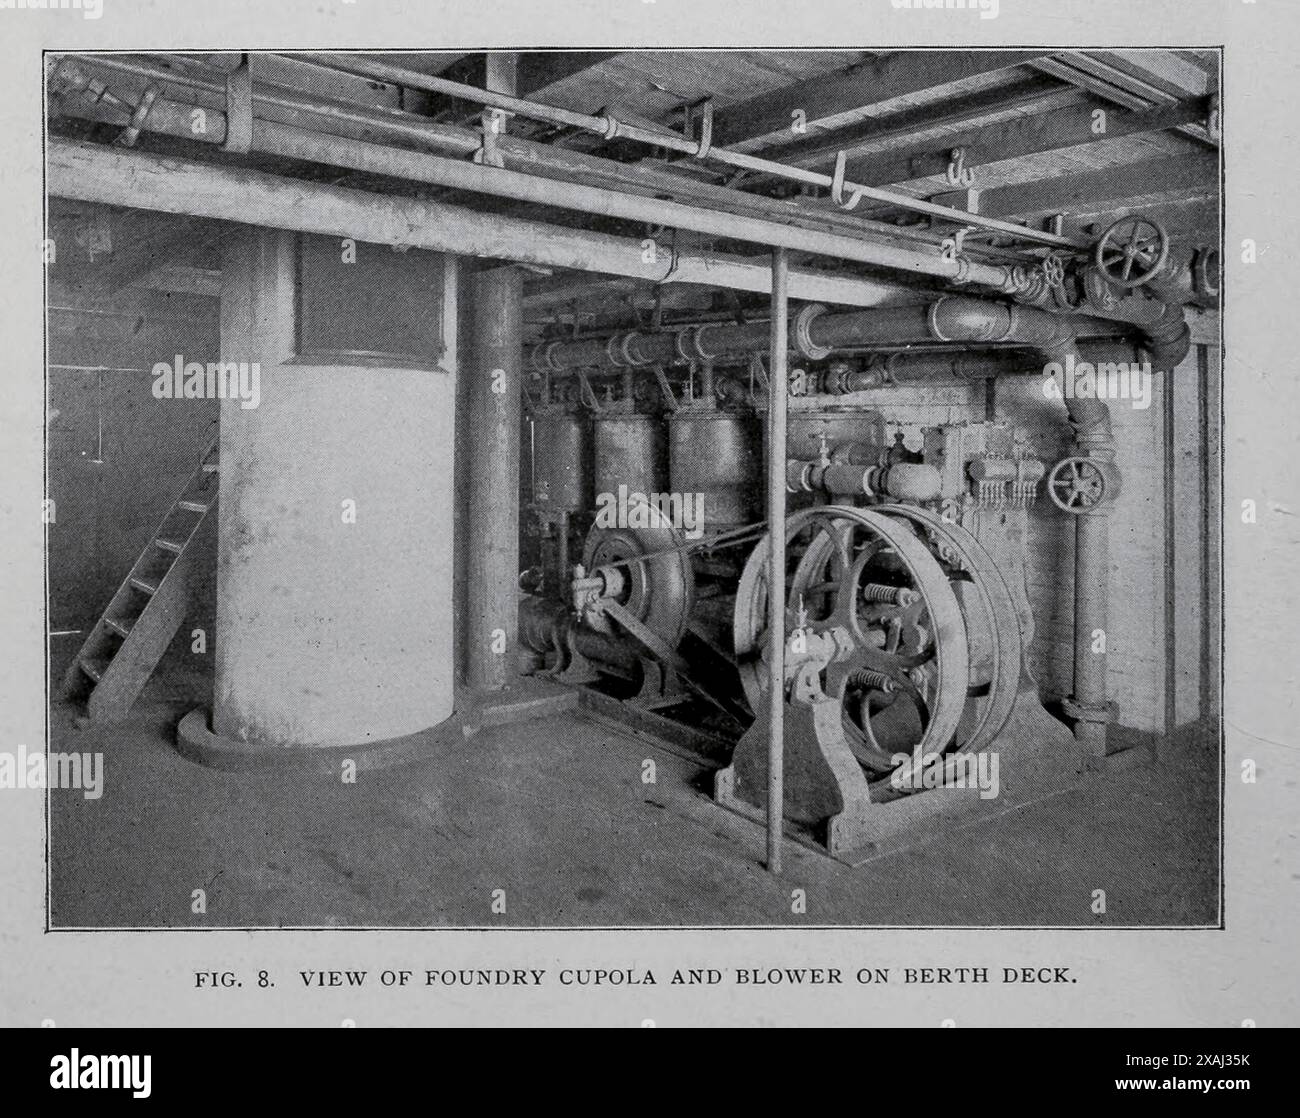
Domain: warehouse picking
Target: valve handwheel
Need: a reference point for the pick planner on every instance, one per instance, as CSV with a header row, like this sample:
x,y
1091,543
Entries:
x,y
1076,485
1132,251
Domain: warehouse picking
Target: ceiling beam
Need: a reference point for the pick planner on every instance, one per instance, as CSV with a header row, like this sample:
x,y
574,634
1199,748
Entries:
x,y
1086,190
1068,127
1162,69
1068,72
868,83
539,70
181,279
1115,81
825,145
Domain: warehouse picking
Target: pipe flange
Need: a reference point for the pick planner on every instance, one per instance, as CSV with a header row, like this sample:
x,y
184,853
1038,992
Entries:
x,y
802,333
1098,291
618,350
932,322
543,358
1206,272
611,126
688,347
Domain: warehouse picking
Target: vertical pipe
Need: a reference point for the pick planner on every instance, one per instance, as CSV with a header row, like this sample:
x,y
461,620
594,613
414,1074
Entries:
x,y
562,530
1091,586
495,403
776,456
1171,557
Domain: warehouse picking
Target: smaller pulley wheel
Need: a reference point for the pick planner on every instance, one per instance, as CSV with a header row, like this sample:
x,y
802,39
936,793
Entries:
x,y
1132,251
1076,485
659,589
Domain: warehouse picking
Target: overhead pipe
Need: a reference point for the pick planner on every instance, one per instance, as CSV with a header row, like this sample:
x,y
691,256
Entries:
x,y
287,141
277,104
609,127
815,335
948,367
121,177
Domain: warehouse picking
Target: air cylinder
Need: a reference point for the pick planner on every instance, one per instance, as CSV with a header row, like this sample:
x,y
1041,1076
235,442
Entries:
x,y
631,450
719,454
561,462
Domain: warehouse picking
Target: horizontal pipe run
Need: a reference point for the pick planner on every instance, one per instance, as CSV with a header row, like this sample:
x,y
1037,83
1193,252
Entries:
x,y
287,141
608,203
948,319
283,105
610,128
120,177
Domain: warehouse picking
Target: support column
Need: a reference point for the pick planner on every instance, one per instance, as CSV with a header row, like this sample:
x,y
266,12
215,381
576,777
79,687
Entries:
x,y
495,342
495,403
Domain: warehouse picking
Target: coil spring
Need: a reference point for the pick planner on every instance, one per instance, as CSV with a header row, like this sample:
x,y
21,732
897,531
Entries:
x,y
869,679
894,595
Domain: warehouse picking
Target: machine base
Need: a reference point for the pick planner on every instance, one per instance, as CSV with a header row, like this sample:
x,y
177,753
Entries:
x,y
1036,759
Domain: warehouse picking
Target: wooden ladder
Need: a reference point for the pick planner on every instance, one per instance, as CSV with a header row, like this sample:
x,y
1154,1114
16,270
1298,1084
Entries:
x,y
141,619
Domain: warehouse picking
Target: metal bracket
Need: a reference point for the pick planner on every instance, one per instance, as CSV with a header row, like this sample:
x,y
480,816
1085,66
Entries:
x,y
958,174
706,127
131,132
954,246
494,123
239,109
588,394
837,185
670,398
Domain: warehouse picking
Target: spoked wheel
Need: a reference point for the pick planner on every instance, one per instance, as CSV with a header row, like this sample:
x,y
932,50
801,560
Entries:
x,y
903,688
657,591
1132,251
993,634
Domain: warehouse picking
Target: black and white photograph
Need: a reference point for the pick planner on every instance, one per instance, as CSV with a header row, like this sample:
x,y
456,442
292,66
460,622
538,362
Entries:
x,y
425,430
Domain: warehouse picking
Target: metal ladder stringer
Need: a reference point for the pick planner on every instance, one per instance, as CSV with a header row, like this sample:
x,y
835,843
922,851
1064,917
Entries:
x,y
142,617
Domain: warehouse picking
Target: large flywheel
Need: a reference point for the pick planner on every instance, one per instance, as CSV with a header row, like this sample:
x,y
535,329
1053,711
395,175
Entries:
x,y
903,688
994,639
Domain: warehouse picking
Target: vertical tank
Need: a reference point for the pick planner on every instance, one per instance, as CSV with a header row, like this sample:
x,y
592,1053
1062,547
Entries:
x,y
719,454
631,450
335,573
561,462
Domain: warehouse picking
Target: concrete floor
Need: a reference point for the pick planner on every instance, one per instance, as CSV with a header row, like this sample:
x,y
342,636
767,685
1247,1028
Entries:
x,y
554,812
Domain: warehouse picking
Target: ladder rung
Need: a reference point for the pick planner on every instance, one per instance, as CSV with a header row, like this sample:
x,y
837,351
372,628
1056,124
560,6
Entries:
x,y
86,666
192,506
169,545
211,467
147,587
117,626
